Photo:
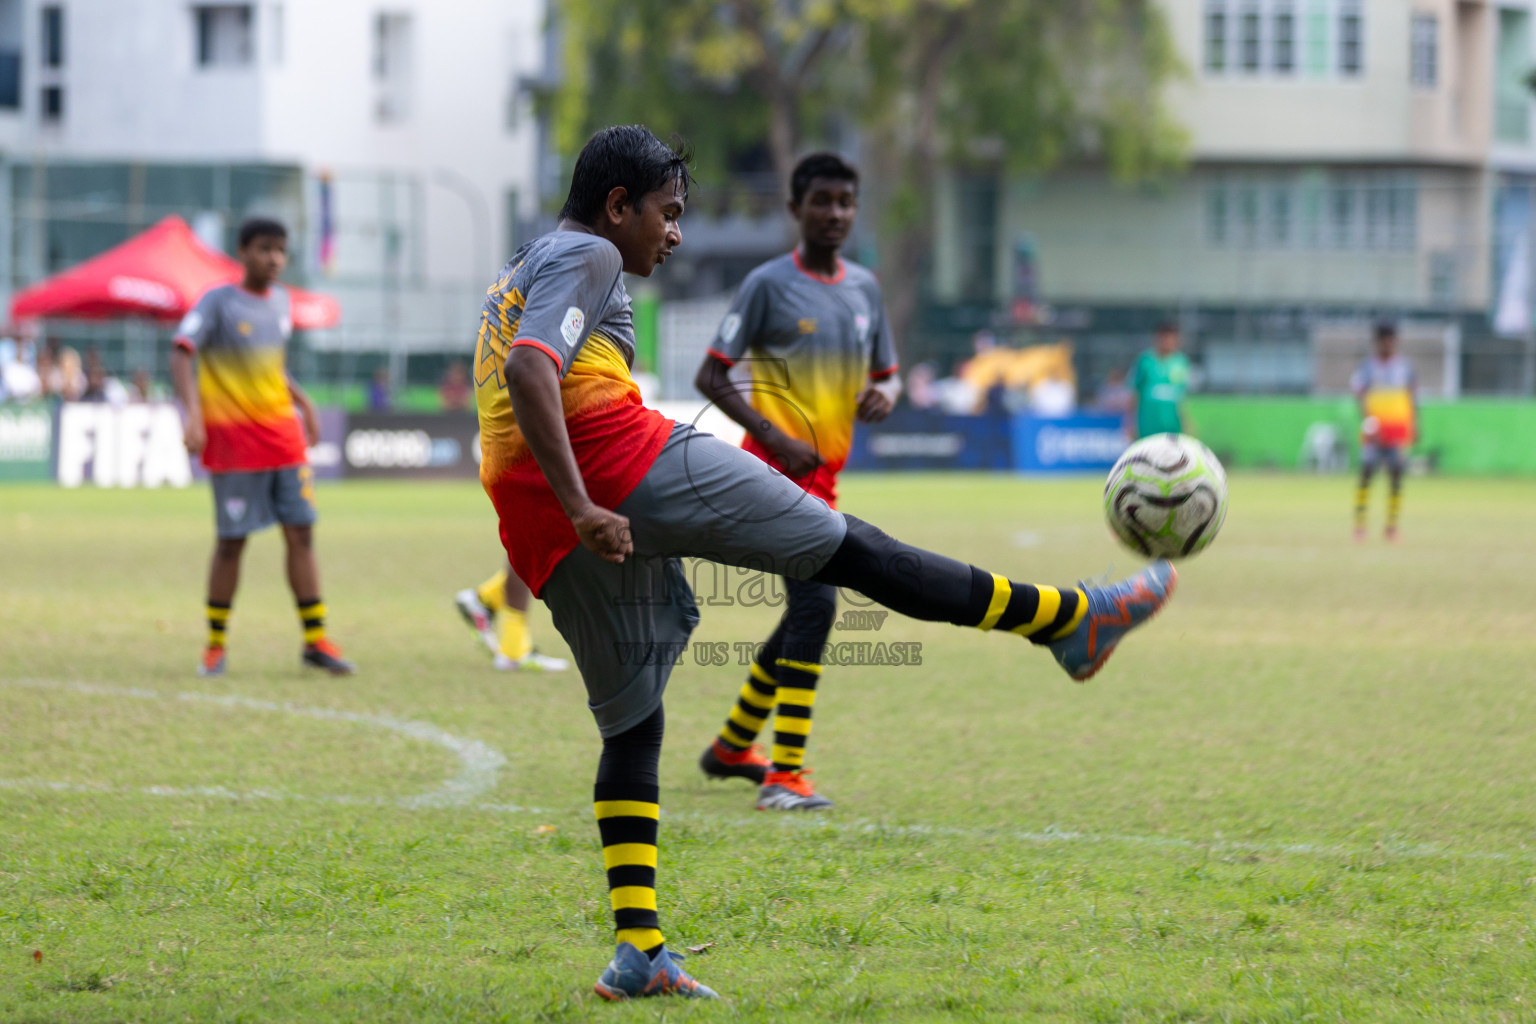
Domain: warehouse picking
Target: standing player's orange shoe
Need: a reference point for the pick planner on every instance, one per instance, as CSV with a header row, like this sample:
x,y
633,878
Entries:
x,y
212,663
325,655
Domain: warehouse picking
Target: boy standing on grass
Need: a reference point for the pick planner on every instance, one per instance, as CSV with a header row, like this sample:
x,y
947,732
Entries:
x,y
243,418
1387,389
821,357
599,498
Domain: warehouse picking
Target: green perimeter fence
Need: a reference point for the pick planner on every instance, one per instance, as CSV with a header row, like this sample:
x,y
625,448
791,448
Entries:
x,y
1469,437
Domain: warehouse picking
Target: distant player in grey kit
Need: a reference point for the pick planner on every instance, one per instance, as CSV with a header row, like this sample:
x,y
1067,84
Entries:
x,y
811,331
599,498
243,417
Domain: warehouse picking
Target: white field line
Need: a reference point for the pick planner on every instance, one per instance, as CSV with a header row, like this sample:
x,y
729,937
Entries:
x,y
481,763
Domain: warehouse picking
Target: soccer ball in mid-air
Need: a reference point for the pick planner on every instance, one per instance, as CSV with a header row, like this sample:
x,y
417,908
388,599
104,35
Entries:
x,y
1166,496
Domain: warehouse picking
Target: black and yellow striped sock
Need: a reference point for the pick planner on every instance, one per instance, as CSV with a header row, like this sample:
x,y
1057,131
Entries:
x,y
1362,500
218,622
1394,506
751,709
627,817
792,717
1041,613
312,615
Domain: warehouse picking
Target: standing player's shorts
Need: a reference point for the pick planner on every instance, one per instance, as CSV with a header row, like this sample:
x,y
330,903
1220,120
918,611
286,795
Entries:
x,y
1392,457
244,503
628,624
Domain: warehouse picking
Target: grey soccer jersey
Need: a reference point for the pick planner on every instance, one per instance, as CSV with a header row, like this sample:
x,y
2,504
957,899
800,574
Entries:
x,y
814,343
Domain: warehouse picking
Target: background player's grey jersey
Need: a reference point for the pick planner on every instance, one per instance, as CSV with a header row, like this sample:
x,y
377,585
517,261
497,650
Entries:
x,y
229,317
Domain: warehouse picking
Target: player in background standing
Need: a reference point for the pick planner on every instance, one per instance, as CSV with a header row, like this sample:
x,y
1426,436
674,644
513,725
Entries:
x,y
821,357
599,497
1387,389
511,644
243,416
1159,380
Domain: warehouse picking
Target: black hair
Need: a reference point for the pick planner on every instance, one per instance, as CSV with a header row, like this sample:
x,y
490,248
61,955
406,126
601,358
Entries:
x,y
261,227
1386,329
625,156
819,165
1167,325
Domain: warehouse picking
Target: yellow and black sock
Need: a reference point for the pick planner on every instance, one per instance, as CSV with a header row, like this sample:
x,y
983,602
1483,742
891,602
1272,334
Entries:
x,y
1040,613
493,592
933,588
1394,506
1362,501
753,705
626,799
312,615
792,716
218,622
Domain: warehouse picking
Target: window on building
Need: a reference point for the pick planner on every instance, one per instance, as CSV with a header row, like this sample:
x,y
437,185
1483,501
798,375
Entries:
x,y
51,104
53,36
1250,37
1351,37
1444,283
1341,215
225,35
1315,46
1218,228
392,65
978,208
1247,207
1282,38
1424,63
1216,29
1282,216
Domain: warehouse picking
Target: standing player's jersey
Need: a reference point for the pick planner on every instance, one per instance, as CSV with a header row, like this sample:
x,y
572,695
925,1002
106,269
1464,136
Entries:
x,y
1386,391
1160,383
814,343
563,294
239,339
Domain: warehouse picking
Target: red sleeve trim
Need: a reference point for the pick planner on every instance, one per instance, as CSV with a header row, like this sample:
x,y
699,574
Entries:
x,y
885,373
542,348
727,360
185,344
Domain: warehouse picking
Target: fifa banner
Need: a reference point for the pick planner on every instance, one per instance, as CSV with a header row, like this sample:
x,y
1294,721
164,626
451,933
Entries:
x,y
396,445
1072,444
915,439
26,442
141,446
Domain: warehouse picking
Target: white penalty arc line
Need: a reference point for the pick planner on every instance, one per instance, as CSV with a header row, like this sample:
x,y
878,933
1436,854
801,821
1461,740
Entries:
x,y
480,766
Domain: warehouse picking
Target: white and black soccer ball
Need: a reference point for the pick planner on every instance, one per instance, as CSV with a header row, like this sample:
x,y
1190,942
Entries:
x,y
1166,496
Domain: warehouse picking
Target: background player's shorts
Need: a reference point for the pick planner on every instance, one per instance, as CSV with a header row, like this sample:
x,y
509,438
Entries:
x,y
1392,457
244,503
628,624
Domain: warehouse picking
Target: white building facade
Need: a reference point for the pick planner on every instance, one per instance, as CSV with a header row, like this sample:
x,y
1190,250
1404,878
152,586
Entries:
x,y
1349,158
396,137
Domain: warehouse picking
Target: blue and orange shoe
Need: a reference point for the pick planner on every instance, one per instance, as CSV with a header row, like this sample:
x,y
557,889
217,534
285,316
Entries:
x,y
212,664
1113,611
633,975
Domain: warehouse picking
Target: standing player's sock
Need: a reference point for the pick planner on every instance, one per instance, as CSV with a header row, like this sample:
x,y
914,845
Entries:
x,y
625,798
792,717
493,592
1394,506
1362,499
753,704
312,616
933,588
218,622
513,637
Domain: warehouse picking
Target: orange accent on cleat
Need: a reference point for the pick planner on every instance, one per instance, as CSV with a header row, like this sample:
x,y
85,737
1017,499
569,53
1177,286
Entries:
x,y
795,781
753,755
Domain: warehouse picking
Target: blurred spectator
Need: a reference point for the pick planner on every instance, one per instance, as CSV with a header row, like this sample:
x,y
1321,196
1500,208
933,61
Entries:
x,y
454,391
1114,395
921,390
101,386
18,380
379,399
1159,380
143,388
1052,398
60,370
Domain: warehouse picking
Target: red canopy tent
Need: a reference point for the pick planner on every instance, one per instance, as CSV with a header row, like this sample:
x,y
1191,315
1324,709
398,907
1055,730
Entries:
x,y
161,274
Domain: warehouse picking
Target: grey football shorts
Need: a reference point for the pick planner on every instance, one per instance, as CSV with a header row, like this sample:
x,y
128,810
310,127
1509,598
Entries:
x,y
1391,457
244,503
628,624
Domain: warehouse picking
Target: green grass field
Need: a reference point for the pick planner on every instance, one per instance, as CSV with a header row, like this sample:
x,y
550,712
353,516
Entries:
x,y
1304,793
